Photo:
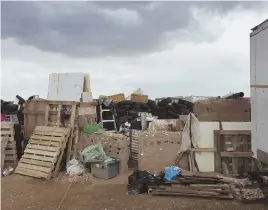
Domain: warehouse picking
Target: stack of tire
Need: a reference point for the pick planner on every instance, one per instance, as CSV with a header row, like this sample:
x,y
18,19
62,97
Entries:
x,y
166,109
127,111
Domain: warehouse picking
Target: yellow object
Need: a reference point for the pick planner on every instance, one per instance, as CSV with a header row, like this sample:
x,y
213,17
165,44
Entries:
x,y
139,98
117,97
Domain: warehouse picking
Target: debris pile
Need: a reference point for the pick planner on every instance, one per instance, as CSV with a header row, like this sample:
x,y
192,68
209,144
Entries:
x,y
196,184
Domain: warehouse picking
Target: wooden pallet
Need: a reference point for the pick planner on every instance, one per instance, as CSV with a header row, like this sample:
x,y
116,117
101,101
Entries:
x,y
43,153
7,130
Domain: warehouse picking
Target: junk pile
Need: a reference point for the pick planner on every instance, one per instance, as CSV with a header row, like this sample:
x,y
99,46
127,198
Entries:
x,y
105,144
165,109
100,165
128,110
177,182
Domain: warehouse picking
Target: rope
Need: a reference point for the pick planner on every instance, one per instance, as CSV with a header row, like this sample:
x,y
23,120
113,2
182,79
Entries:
x,y
64,196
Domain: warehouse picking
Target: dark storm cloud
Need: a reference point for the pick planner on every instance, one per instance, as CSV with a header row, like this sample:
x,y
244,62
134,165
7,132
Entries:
x,y
85,29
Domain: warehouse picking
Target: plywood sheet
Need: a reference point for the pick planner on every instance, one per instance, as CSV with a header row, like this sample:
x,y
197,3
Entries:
x,y
226,110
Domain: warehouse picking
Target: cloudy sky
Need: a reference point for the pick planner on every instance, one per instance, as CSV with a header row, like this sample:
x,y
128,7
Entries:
x,y
165,48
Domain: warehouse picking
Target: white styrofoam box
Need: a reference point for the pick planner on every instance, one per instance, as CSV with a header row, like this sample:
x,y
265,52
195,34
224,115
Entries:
x,y
65,86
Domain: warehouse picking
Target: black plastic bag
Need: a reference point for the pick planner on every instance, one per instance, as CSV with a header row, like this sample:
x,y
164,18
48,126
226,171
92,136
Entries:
x,y
138,181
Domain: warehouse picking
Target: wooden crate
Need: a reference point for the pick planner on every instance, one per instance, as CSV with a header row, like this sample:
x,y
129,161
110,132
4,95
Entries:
x,y
43,153
7,131
233,151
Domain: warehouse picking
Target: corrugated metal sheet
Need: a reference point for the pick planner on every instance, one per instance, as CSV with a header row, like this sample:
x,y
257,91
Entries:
x,y
65,86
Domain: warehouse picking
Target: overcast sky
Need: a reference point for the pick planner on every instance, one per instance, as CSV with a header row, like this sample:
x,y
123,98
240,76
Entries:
x,y
165,48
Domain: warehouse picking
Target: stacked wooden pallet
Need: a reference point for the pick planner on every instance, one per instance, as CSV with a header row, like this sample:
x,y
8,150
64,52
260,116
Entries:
x,y
7,131
44,152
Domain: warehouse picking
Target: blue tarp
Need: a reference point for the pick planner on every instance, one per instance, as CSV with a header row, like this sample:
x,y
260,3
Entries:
x,y
171,173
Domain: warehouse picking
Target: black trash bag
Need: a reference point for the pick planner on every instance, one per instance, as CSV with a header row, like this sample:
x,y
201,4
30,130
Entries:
x,y
138,181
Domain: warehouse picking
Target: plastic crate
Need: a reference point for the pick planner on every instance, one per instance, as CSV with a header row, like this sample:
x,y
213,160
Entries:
x,y
105,170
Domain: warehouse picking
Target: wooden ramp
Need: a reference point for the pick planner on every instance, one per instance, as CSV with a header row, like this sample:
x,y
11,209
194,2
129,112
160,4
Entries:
x,y
44,152
7,131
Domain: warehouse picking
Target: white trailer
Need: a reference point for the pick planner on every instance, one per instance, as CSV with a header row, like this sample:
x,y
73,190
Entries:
x,y
259,90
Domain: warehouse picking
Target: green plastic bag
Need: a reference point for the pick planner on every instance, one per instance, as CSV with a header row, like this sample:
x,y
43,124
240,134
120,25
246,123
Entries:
x,y
92,128
93,153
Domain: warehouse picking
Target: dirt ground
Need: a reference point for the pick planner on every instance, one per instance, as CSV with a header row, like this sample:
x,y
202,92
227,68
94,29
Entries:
x,y
21,192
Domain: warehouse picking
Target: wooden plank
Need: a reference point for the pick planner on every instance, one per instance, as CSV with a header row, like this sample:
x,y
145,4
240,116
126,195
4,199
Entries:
x,y
11,146
245,149
190,162
177,159
191,194
58,115
235,132
70,142
30,112
50,129
57,167
47,138
8,125
235,161
40,152
38,157
34,167
76,138
62,102
203,149
49,133
33,173
46,115
259,86
14,158
45,143
87,104
225,169
10,152
41,147
8,132
36,162
218,151
236,154
225,186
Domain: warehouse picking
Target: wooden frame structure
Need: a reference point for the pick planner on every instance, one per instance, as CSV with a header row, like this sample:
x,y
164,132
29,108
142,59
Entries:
x,y
233,151
48,113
